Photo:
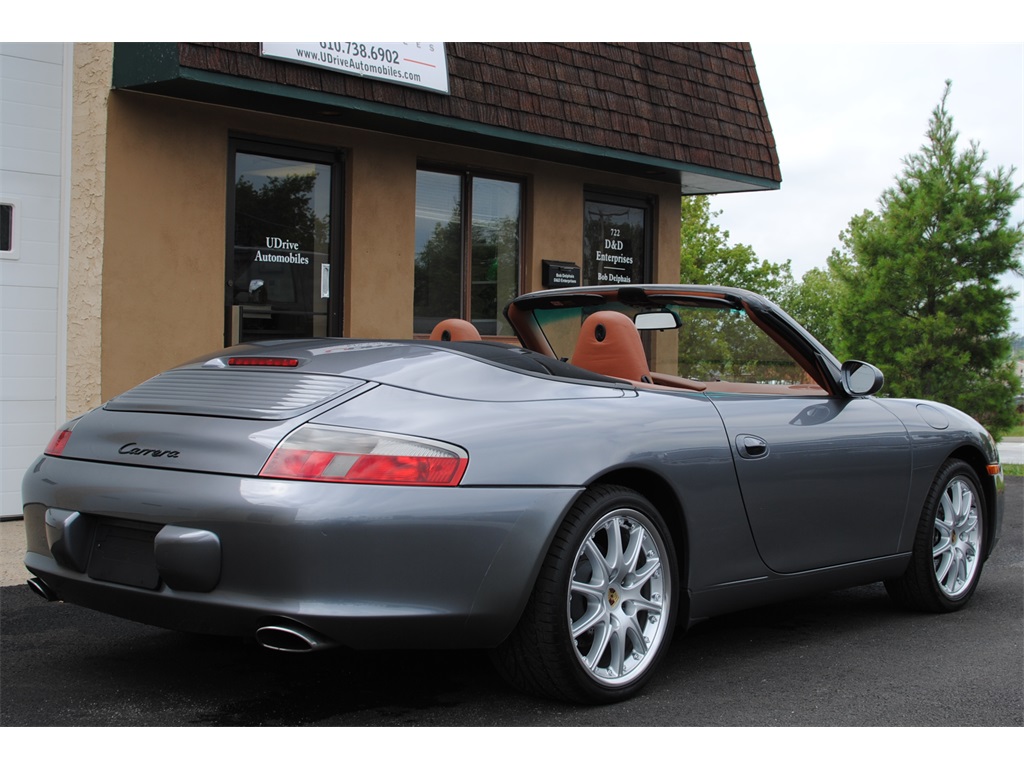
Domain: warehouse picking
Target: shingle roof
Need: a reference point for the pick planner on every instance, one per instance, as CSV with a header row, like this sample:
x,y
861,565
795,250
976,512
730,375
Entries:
x,y
698,104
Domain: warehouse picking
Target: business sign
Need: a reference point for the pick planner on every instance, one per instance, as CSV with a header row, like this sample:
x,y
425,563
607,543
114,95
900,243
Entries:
x,y
559,274
614,243
418,65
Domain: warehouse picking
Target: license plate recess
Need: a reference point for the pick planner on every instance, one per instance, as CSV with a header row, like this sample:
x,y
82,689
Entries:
x,y
123,554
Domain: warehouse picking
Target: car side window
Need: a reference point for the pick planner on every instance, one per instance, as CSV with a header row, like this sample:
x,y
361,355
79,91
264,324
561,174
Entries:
x,y
724,345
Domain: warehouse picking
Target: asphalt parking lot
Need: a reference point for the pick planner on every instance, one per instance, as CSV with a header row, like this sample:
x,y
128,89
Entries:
x,y
849,658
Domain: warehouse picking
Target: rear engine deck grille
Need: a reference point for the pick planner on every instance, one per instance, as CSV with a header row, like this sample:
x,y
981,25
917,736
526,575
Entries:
x,y
249,394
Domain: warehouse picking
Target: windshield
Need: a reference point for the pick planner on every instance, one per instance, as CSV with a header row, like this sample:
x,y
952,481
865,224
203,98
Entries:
x,y
711,344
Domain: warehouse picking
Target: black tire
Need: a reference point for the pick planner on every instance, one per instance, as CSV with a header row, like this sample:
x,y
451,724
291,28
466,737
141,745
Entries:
x,y
629,603
949,548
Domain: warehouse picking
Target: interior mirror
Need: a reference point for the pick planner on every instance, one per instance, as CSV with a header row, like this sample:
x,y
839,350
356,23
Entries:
x,y
861,379
656,321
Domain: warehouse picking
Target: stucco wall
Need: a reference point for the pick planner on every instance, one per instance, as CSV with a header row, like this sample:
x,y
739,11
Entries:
x,y
93,64
380,239
163,278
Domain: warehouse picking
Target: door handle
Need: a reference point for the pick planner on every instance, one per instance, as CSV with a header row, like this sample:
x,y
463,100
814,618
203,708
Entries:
x,y
751,446
325,281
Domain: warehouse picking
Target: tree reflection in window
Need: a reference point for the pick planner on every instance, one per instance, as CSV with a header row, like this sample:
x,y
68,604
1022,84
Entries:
x,y
443,261
281,206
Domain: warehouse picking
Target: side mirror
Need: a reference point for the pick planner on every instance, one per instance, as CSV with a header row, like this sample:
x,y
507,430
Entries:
x,y
656,321
861,379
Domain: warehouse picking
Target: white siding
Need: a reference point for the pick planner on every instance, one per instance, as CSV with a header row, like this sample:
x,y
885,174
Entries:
x,y
34,147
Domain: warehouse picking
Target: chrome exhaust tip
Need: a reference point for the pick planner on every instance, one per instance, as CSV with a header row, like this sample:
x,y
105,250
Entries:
x,y
290,639
39,587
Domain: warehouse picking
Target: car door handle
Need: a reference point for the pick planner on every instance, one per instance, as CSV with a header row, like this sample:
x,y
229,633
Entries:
x,y
751,446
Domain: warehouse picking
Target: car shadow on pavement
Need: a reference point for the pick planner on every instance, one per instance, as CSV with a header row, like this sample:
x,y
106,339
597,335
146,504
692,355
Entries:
x,y
66,665
78,667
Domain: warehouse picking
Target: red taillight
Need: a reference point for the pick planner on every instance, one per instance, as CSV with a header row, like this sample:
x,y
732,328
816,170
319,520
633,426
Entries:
x,y
266,362
332,455
408,470
57,443
297,464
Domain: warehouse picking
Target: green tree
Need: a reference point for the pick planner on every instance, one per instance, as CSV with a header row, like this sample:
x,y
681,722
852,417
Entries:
x,y
921,294
813,300
707,258
727,347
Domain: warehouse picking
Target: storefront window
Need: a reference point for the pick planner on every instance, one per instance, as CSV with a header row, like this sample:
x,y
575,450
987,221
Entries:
x,y
615,241
466,274
438,287
279,268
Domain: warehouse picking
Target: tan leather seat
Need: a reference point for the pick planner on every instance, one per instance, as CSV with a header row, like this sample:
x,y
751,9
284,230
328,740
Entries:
x,y
610,344
454,329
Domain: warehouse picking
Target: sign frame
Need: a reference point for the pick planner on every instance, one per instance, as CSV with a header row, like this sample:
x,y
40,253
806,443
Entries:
x,y
413,65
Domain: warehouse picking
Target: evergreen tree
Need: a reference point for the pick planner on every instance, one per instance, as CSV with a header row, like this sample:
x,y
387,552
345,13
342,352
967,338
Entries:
x,y
922,297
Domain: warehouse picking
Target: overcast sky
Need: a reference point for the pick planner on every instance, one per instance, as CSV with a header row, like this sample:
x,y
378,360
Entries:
x,y
844,117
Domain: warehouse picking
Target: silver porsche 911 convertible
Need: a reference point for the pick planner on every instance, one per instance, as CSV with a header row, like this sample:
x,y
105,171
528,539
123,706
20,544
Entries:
x,y
646,457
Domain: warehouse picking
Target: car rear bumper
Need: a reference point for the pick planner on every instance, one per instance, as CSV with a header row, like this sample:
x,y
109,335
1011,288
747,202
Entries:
x,y
356,565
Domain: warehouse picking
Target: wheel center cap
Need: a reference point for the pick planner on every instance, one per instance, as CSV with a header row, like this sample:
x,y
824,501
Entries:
x,y
953,537
613,598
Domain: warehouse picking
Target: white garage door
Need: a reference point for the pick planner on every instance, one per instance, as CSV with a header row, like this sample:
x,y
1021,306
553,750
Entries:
x,y
34,155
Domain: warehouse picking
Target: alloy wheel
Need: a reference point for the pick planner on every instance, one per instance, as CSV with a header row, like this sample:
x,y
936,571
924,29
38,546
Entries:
x,y
618,597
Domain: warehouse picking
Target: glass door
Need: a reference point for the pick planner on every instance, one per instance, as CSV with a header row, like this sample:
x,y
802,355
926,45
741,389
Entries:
x,y
283,263
616,240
